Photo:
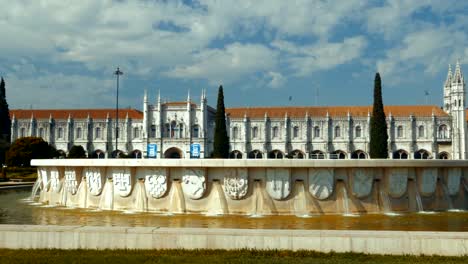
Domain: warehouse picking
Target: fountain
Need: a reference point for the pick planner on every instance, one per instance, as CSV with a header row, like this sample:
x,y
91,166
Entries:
x,y
246,187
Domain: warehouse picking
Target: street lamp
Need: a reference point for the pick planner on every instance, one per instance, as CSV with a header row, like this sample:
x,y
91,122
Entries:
x,y
117,73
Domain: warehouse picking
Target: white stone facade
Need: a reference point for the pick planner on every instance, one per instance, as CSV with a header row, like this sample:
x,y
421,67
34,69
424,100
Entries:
x,y
415,132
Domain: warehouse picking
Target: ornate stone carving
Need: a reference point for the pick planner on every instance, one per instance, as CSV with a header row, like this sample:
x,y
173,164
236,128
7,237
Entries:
x,y
236,182
55,180
194,183
122,180
397,182
94,180
453,180
321,183
278,183
362,182
71,182
428,181
155,182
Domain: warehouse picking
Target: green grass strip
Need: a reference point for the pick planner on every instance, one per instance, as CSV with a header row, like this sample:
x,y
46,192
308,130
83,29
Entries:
x,y
208,256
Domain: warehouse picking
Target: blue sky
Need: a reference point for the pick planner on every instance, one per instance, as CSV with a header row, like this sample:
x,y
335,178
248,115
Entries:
x,y
61,53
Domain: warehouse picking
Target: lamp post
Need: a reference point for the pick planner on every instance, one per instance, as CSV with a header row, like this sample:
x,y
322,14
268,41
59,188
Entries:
x,y
117,73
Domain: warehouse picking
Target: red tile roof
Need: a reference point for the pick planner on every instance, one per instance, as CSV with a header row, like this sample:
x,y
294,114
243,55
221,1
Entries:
x,y
334,111
75,113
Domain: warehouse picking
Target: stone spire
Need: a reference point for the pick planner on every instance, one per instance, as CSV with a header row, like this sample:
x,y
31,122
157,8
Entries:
x,y
449,76
458,75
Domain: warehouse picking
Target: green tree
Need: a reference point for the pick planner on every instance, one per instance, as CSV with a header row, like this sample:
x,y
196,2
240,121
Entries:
x,y
378,124
221,139
5,122
26,148
76,152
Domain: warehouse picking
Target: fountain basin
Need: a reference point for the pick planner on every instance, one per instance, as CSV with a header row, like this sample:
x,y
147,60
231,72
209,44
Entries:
x,y
254,187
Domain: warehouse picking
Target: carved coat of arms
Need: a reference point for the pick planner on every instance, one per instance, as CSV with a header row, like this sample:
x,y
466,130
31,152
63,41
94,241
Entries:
x,y
194,183
122,180
94,180
278,183
156,182
321,183
71,182
236,182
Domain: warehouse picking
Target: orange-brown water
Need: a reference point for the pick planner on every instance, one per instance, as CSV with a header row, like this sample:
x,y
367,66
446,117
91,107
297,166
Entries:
x,y
15,209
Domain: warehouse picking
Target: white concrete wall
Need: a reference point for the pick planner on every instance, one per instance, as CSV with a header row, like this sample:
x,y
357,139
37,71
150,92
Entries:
x,y
375,242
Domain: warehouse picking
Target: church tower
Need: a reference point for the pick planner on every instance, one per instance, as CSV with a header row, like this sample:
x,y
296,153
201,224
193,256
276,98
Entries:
x,y
454,105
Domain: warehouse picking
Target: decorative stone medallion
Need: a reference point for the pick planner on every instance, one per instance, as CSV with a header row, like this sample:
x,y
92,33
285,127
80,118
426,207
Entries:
x,y
428,181
362,182
71,182
236,182
122,180
397,182
321,183
55,180
194,182
278,183
155,182
453,180
94,180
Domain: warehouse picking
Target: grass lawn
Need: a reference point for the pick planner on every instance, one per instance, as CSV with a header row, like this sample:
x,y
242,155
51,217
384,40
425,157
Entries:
x,y
207,256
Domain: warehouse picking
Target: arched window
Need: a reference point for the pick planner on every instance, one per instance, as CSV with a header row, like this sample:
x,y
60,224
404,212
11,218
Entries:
x,y
295,132
358,131
316,132
173,128
255,132
98,133
41,132
181,130
421,131
60,133
78,133
117,132
317,154
400,154
276,154
275,132
22,132
136,132
443,132
196,131
235,155
399,131
421,154
337,132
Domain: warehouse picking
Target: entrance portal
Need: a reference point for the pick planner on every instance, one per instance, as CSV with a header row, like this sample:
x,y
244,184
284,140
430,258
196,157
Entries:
x,y
173,153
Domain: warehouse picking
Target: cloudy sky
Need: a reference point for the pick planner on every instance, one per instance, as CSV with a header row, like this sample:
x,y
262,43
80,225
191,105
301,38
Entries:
x,y
62,53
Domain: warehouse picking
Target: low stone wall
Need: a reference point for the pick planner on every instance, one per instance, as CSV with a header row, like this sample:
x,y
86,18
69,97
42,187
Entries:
x,y
254,187
374,242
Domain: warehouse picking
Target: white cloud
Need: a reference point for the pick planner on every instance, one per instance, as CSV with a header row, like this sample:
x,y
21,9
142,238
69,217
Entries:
x,y
304,60
221,66
433,49
275,79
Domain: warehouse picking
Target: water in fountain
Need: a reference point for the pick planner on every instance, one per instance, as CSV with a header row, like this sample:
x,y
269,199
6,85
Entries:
x,y
448,198
176,199
217,204
345,201
107,196
141,203
35,188
63,196
82,193
300,200
385,202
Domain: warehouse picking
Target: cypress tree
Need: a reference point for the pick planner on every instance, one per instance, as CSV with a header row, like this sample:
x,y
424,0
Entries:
x,y
221,140
5,122
378,124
